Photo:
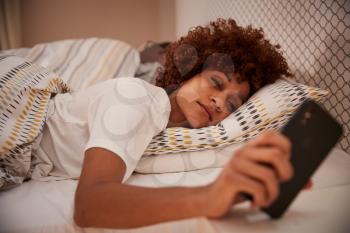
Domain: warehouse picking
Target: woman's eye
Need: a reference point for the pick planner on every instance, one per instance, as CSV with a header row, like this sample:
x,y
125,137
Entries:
x,y
232,107
233,103
216,82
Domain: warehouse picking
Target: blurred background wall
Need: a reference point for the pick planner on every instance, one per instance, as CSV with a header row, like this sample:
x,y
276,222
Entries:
x,y
133,21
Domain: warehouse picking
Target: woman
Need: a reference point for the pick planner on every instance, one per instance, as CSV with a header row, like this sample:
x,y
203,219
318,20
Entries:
x,y
100,133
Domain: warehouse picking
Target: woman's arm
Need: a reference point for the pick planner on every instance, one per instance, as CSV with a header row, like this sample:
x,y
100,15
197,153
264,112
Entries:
x,y
103,201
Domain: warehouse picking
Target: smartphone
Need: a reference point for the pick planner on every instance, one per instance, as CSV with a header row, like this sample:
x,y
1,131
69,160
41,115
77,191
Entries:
x,y
313,132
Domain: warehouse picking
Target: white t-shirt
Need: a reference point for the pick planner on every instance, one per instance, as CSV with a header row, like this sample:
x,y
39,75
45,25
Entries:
x,y
121,115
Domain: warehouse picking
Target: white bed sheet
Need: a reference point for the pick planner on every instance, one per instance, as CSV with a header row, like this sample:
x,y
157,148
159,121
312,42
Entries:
x,y
48,206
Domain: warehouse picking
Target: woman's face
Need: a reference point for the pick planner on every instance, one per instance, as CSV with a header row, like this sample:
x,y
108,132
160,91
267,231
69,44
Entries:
x,y
208,98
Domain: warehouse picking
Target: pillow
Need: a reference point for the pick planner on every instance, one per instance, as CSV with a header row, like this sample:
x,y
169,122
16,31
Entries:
x,y
84,62
270,107
187,160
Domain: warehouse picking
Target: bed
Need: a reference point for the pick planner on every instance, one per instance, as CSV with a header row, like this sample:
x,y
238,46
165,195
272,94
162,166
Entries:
x,y
47,206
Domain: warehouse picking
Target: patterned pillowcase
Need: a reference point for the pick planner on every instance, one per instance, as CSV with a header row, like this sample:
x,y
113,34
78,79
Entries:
x,y
269,108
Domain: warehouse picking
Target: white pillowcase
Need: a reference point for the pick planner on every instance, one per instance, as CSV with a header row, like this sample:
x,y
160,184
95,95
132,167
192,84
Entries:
x,y
187,160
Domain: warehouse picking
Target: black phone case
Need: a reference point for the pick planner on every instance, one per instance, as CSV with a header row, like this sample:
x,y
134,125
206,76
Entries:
x,y
313,133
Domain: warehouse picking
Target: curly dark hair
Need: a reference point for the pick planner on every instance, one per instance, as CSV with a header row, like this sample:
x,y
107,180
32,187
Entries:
x,y
250,55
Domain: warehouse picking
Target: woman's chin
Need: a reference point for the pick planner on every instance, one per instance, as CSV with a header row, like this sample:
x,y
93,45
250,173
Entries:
x,y
196,119
198,123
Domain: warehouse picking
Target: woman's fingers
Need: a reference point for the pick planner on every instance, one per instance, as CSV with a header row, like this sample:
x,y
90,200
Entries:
x,y
271,156
262,174
256,169
244,184
274,139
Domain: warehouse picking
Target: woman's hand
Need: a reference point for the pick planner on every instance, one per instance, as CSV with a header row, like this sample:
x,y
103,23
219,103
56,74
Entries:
x,y
256,169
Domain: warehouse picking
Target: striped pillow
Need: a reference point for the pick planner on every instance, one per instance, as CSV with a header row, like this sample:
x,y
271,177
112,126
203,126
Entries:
x,y
83,62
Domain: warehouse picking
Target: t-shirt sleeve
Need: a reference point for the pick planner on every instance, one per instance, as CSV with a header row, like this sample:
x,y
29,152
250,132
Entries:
x,y
126,126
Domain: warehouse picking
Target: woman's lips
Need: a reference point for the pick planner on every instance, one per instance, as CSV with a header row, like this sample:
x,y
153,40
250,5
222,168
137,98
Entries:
x,y
205,110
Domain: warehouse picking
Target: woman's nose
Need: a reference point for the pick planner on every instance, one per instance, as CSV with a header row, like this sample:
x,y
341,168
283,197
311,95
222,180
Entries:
x,y
217,103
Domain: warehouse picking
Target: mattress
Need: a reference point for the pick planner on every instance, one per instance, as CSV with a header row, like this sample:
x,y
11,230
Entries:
x,y
48,206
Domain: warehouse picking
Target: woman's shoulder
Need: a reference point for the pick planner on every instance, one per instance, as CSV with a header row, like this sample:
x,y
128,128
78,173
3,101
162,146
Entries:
x,y
129,84
133,97
135,90
128,90
133,82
